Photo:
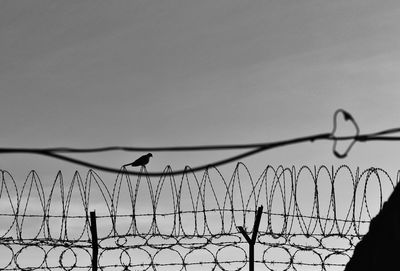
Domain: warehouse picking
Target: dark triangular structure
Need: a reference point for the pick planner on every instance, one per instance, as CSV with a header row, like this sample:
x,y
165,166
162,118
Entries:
x,y
380,247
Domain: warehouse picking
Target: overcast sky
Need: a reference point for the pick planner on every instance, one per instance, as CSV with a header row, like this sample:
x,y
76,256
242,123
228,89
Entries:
x,y
153,73
82,73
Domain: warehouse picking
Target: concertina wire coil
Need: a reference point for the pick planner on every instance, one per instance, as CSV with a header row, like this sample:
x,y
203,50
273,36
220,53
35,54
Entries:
x,y
312,219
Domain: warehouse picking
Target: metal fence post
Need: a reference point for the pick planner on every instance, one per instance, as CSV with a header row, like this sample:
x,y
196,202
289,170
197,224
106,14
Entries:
x,y
95,245
253,239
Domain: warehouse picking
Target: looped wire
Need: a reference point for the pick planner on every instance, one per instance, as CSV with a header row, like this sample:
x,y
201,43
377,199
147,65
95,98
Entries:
x,y
186,222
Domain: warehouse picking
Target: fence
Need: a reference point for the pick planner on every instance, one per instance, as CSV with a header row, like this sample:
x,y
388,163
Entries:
x,y
312,219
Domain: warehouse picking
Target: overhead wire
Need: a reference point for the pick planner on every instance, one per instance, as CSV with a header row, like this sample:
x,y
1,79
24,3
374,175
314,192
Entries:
x,y
252,149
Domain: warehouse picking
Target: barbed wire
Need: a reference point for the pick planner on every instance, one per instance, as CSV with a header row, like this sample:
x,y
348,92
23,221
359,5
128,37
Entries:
x,y
59,152
190,222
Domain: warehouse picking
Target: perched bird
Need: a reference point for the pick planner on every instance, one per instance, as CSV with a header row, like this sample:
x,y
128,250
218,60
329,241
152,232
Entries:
x,y
141,161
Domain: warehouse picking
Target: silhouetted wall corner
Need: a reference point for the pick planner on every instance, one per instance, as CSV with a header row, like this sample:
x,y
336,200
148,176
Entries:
x,y
380,247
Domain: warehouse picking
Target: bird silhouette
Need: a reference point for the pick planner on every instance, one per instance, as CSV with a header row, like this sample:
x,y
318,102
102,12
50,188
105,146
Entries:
x,y
141,161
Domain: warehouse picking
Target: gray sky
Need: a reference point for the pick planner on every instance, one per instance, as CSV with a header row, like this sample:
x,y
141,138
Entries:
x,y
152,73
155,73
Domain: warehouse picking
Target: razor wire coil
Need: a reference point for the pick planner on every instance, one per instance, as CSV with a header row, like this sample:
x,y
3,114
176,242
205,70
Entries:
x,y
191,221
